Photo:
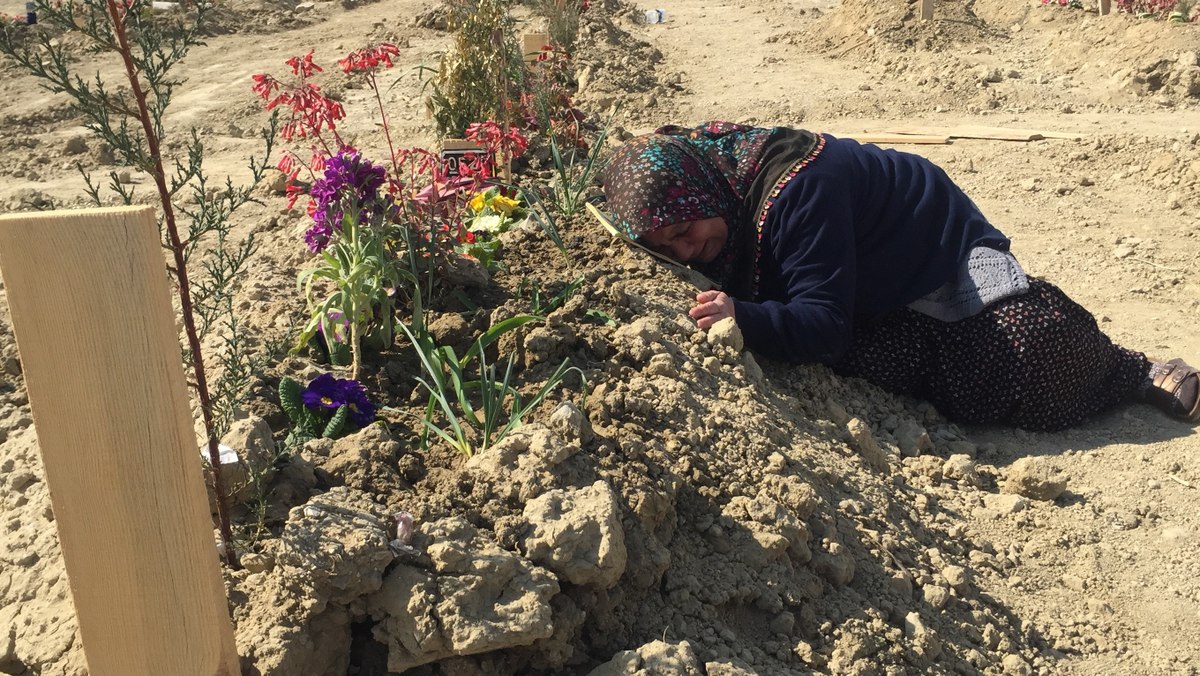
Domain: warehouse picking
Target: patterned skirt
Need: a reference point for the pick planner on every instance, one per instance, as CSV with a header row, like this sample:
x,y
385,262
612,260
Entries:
x,y
1036,361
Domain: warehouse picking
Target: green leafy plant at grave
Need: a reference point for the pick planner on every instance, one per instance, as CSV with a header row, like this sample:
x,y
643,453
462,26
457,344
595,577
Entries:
x,y
575,170
407,211
482,70
481,409
194,215
351,221
599,317
327,407
1187,11
562,20
546,104
541,306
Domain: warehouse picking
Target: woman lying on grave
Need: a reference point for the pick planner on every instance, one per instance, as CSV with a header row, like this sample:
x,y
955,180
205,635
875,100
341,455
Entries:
x,y
875,263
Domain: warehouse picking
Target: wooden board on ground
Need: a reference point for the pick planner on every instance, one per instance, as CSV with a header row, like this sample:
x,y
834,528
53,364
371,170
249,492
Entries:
x,y
532,44
693,276
990,133
91,310
877,137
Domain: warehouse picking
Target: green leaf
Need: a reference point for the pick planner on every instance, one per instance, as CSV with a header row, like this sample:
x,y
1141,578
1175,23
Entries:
x,y
495,331
290,401
337,423
600,317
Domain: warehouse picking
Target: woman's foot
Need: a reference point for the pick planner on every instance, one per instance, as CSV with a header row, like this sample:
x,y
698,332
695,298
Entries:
x,y
1174,387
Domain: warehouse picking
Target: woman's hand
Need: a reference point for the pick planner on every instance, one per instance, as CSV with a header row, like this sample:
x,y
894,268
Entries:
x,y
711,307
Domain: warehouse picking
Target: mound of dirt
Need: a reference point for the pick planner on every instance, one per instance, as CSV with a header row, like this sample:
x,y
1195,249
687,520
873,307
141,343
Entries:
x,y
761,524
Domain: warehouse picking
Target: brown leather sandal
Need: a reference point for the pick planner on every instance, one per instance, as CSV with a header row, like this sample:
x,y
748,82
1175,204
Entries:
x,y
1167,383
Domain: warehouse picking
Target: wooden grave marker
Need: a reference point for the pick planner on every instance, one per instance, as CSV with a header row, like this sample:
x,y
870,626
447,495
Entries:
x,y
531,45
91,310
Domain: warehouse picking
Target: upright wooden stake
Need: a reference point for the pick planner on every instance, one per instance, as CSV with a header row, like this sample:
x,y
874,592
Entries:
x,y
502,158
531,46
926,10
1105,7
99,347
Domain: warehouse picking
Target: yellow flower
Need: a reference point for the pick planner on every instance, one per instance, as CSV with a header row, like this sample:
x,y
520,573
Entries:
x,y
505,205
486,224
477,203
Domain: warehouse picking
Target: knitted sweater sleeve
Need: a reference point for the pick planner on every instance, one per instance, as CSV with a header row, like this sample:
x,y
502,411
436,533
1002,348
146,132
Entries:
x,y
813,243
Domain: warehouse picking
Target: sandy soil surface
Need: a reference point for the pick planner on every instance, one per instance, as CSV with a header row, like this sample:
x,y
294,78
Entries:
x,y
745,517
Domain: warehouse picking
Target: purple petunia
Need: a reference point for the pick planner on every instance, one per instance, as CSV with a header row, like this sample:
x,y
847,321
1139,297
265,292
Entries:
x,y
362,411
324,391
327,392
347,175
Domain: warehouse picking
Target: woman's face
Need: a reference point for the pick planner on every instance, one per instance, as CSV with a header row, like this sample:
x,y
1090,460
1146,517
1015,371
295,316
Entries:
x,y
690,241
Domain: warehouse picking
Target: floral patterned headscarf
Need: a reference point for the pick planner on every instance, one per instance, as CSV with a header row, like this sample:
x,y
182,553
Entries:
x,y
678,174
720,169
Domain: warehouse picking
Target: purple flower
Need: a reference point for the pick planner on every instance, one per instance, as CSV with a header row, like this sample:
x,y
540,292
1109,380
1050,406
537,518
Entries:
x,y
317,237
327,392
349,179
324,391
362,411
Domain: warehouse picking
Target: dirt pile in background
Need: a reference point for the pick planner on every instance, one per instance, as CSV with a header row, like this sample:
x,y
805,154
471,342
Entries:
x,y
999,56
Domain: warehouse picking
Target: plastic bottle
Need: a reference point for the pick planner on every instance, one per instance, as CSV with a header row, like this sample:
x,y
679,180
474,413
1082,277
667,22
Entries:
x,y
656,15
30,13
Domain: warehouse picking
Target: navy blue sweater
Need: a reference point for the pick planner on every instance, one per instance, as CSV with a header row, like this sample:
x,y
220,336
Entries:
x,y
857,233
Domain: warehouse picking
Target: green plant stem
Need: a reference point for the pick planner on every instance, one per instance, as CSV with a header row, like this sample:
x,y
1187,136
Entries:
x,y
387,132
185,299
352,309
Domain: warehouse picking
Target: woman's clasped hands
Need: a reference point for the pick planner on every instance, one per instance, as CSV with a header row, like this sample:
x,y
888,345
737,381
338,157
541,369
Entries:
x,y
711,307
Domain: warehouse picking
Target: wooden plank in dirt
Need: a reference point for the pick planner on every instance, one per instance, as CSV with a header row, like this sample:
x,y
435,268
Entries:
x,y
990,133
874,137
531,45
91,310
926,10
1105,7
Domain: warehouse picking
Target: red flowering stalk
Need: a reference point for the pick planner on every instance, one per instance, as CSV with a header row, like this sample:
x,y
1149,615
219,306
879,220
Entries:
x,y
510,144
312,115
366,62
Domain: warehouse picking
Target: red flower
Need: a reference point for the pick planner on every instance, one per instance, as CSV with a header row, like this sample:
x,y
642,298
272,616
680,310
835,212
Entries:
x,y
265,86
369,58
304,66
293,193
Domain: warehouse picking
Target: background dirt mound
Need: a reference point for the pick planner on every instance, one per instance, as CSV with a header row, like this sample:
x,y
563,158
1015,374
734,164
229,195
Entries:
x,y
899,24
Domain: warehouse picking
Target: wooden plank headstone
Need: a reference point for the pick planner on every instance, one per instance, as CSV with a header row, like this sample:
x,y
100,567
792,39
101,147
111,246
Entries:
x,y
91,310
531,45
926,10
